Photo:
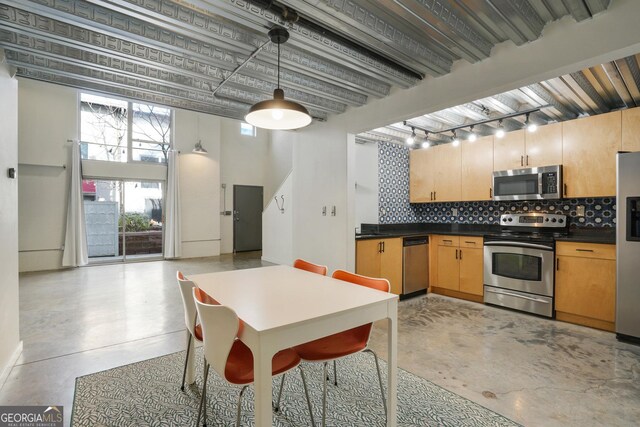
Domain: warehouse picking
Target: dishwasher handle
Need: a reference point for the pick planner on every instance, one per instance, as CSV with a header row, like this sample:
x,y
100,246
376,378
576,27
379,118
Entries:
x,y
414,241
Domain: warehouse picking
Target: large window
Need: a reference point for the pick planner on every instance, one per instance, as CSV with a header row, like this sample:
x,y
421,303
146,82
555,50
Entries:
x,y
121,131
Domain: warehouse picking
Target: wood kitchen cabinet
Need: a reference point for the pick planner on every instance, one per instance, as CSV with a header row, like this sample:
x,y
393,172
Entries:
x,y
589,148
434,174
476,169
458,264
631,129
522,149
586,284
381,258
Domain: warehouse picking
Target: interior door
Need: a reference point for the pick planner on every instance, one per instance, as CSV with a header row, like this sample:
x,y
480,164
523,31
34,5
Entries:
x,y
247,218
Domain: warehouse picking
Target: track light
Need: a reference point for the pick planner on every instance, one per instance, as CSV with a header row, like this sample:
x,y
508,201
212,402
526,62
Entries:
x,y
426,143
455,141
472,136
531,127
500,130
412,138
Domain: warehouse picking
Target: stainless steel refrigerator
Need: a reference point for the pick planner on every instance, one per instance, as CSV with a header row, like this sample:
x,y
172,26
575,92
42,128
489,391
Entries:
x,y
628,247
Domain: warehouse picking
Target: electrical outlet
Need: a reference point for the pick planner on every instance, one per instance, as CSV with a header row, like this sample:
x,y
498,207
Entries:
x,y
580,210
454,211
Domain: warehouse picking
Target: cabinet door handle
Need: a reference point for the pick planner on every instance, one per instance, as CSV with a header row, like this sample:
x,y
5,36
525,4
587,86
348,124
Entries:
x,y
471,243
382,247
447,240
521,160
379,247
527,160
584,250
565,189
461,254
456,254
431,196
557,264
490,193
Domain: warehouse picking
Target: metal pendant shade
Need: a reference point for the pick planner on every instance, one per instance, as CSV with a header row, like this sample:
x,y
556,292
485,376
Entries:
x,y
278,113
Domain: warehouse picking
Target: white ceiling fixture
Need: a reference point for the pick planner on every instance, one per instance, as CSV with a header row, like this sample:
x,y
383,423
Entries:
x,y
278,113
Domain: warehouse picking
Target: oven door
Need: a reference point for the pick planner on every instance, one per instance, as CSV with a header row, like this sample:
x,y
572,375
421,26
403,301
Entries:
x,y
526,267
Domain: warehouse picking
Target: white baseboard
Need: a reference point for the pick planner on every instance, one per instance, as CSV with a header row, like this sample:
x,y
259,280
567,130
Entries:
x,y
12,361
271,260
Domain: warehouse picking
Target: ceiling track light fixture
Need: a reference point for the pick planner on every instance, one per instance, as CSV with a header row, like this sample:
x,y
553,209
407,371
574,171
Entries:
x,y
473,136
426,143
531,127
454,140
278,113
411,139
500,130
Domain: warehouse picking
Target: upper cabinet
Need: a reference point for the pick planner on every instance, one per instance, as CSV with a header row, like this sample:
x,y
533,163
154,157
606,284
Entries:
x,y
589,148
477,168
544,146
508,151
434,174
631,129
521,149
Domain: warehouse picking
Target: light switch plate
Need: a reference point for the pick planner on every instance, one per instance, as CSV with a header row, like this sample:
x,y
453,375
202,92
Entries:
x,y
454,211
580,210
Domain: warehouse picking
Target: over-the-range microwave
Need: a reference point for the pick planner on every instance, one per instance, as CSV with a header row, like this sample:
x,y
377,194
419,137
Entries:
x,y
528,184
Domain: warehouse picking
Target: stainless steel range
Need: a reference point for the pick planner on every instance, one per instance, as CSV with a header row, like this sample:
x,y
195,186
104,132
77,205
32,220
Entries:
x,y
519,262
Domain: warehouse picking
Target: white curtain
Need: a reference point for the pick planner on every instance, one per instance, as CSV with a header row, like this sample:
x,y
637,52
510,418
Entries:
x,y
75,241
172,231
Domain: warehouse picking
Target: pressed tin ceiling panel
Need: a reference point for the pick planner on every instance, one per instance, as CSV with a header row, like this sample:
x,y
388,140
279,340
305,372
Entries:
x,y
341,53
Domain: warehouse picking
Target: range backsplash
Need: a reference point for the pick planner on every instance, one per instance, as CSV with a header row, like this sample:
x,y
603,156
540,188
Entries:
x,y
394,206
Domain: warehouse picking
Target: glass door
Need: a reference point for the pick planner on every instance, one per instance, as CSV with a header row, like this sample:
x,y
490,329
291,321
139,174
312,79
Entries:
x,y
123,219
142,219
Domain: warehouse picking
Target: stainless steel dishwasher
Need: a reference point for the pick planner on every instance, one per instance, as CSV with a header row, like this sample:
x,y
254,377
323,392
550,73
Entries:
x,y
415,265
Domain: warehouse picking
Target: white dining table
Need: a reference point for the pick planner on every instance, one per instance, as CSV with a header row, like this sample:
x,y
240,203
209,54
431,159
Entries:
x,y
282,307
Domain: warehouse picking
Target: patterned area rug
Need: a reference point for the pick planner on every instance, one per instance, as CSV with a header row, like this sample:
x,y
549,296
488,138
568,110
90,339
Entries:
x,y
148,393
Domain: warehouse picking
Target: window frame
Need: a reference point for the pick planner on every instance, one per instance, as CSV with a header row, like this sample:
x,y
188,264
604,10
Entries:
x,y
129,142
253,128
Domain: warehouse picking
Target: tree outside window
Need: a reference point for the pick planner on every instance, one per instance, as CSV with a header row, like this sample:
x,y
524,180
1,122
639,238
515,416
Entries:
x,y
105,134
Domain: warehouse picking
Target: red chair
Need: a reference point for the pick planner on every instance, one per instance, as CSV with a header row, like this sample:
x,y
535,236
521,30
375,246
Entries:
x,y
344,343
190,316
229,356
311,267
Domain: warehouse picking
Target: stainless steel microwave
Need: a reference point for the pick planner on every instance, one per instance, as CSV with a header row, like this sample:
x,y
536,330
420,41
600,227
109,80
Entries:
x,y
528,184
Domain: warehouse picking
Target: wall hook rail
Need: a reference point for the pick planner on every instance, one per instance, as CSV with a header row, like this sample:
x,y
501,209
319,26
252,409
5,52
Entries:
x,y
281,207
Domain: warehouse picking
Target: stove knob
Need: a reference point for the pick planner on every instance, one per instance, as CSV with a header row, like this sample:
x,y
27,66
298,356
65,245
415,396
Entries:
x,y
504,219
546,220
553,220
560,220
510,219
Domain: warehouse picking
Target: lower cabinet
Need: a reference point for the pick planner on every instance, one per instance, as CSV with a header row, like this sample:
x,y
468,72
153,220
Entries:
x,y
458,262
586,284
381,258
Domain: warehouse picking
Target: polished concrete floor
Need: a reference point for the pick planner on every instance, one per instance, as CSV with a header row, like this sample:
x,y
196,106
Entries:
x,y
535,371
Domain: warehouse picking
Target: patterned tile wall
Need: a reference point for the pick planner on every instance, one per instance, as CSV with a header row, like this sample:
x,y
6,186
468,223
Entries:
x,y
394,206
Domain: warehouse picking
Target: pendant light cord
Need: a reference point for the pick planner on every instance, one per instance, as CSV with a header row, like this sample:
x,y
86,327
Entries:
x,y
278,65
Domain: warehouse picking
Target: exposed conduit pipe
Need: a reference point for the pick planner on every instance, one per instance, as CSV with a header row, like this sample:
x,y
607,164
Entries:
x,y
234,72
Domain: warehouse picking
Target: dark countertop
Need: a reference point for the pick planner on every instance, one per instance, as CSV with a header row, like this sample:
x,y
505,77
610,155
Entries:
x,y
604,235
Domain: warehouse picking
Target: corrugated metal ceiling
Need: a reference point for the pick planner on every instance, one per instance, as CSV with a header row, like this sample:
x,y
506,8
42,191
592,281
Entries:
x,y
611,86
341,52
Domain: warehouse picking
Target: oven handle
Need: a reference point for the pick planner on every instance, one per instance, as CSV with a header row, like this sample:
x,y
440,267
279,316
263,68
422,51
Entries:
x,y
511,294
519,245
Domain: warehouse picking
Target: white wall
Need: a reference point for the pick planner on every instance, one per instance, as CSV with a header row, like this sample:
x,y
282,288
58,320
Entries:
x,y
10,345
243,162
366,186
199,183
279,162
277,238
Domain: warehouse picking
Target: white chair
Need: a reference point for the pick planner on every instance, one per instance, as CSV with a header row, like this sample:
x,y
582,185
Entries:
x,y
190,316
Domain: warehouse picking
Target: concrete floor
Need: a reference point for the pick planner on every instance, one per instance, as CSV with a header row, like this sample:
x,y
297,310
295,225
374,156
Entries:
x,y
532,370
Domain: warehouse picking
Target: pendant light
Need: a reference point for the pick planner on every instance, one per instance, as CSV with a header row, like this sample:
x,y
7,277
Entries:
x,y
278,113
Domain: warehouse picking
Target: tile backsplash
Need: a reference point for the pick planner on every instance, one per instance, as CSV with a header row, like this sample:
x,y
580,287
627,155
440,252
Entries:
x,y
394,206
